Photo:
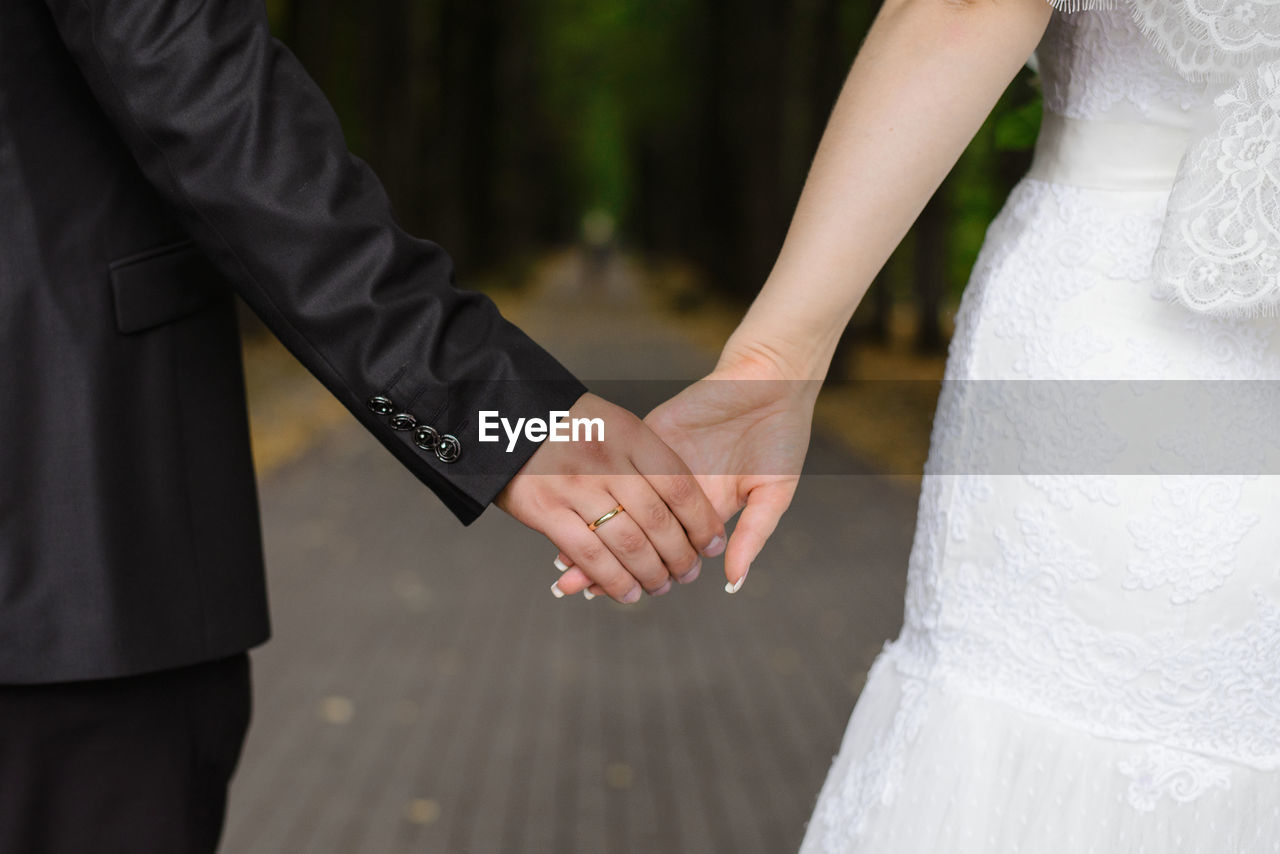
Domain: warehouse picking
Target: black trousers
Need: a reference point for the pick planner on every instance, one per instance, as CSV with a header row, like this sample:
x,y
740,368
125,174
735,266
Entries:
x,y
136,765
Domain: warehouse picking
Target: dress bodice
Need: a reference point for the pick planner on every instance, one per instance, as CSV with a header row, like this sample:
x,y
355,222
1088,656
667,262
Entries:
x,y
1100,65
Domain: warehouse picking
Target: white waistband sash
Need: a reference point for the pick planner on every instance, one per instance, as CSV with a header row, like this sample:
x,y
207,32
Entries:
x,y
1108,155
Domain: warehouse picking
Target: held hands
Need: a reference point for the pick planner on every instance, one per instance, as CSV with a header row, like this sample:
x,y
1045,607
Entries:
x,y
744,431
667,524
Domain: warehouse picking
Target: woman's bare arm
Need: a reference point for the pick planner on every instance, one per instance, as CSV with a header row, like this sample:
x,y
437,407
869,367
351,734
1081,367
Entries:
x,y
926,78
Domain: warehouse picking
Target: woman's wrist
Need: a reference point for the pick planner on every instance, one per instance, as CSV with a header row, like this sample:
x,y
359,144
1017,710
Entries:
x,y
798,317
771,350
748,356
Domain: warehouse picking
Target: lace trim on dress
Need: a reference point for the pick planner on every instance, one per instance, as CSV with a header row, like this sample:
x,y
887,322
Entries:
x,y
1212,38
1202,38
1219,252
877,776
1085,5
1220,248
1157,771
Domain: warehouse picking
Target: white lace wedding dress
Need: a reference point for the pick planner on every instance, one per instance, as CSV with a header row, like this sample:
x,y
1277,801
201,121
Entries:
x,y
1090,660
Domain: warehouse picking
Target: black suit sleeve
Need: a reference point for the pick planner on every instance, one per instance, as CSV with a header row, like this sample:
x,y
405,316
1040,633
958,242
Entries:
x,y
235,135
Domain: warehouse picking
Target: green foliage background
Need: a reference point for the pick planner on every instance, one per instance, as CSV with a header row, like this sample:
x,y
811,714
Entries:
x,y
497,126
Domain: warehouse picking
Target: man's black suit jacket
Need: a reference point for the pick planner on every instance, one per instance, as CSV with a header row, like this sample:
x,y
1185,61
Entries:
x,y
155,155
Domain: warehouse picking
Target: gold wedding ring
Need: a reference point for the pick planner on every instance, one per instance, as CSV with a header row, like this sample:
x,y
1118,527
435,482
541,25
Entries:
x,y
606,517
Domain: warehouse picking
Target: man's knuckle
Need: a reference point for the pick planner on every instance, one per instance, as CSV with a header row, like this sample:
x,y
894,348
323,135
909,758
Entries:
x,y
633,543
657,514
682,490
596,452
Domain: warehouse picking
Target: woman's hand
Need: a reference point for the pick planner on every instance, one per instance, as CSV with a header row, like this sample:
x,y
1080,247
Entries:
x,y
743,430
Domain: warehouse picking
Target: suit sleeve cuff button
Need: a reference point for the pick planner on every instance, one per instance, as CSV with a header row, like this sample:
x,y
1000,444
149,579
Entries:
x,y
381,405
426,438
403,422
448,448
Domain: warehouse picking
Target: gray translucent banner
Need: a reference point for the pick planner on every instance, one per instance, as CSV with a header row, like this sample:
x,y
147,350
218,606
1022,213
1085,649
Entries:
x,y
1037,427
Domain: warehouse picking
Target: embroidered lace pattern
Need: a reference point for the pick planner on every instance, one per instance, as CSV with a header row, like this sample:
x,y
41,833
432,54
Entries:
x,y
1220,251
1159,772
1092,64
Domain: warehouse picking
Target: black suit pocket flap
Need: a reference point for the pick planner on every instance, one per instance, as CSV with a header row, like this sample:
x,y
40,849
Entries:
x,y
163,284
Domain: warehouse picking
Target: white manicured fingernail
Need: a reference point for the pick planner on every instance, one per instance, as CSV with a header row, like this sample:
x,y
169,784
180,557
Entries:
x,y
731,587
561,565
588,595
556,591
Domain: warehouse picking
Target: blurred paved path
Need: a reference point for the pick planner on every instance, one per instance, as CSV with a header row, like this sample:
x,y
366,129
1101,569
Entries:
x,y
424,692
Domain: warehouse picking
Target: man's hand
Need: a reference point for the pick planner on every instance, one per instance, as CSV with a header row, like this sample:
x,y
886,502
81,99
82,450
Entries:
x,y
667,521
744,430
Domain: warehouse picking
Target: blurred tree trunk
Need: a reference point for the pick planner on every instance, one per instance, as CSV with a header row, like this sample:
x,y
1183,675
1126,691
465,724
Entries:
x,y
881,308
760,105
711,234
469,46
440,98
745,210
931,241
